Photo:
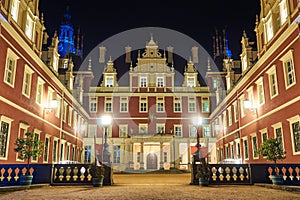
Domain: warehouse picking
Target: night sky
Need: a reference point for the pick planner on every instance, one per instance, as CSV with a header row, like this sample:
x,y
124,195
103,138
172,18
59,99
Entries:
x,y
99,20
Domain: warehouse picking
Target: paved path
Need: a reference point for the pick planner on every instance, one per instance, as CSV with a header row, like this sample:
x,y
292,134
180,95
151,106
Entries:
x,y
154,187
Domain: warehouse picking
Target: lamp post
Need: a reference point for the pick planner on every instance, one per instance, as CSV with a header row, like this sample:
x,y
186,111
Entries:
x,y
106,121
171,131
197,122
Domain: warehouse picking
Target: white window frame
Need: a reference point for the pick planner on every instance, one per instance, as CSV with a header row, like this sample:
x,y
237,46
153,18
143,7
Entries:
x,y
92,130
143,81
40,91
242,107
245,148
123,130
48,148
229,111
291,121
192,101
57,112
70,115
124,101
191,82
10,67
275,127
65,106
260,91
178,130
160,128
288,58
8,121
36,132
109,81
29,25
254,135
269,32
93,104
177,100
49,97
206,130
108,101
27,78
283,6
143,128
205,100
160,82
235,111
160,104
143,105
272,72
192,130
15,9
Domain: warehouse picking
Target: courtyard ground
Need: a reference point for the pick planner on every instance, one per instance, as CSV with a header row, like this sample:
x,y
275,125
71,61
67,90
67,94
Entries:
x,y
151,186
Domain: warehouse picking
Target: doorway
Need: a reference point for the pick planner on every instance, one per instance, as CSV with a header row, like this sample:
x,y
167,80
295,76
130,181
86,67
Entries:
x,y
152,161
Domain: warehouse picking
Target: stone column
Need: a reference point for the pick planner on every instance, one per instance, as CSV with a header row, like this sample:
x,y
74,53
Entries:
x,y
142,157
161,163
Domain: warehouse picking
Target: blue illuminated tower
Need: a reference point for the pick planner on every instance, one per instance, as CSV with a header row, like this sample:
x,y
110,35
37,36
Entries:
x,y
66,36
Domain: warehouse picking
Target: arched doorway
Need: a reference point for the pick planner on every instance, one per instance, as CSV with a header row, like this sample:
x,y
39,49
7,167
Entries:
x,y
151,161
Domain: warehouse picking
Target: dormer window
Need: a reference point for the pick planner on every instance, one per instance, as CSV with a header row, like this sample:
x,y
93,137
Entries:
x,y
160,82
109,81
15,9
191,82
143,82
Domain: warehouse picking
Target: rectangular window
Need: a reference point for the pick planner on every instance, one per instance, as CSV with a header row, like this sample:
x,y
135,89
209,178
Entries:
x,y
46,149
160,128
57,113
160,82
143,81
109,81
206,131
26,88
289,69
235,111
254,147
178,130
242,99
229,116
278,135
143,128
29,27
92,130
177,104
123,130
205,105
143,104
191,82
108,104
64,117
39,91
160,104
10,68
296,136
123,104
246,153
193,131
15,9
116,154
36,138
93,104
70,116
224,119
283,11
269,29
192,105
5,127
231,151
273,82
87,154
260,91
55,150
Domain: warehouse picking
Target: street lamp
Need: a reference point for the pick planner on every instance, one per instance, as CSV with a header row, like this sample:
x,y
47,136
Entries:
x,y
106,121
197,121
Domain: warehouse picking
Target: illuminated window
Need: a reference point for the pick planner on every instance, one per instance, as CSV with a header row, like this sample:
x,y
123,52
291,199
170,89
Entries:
x,y
15,9
39,91
289,69
273,82
29,27
10,68
143,82
160,82
93,104
269,29
191,82
27,81
109,81
283,11
108,104
260,91
177,104
178,130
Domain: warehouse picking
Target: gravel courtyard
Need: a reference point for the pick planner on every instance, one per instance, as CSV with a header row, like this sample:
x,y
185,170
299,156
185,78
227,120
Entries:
x,y
151,186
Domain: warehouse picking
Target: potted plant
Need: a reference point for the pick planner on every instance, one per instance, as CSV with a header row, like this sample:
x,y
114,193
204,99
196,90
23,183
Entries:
x,y
203,172
27,148
97,173
271,149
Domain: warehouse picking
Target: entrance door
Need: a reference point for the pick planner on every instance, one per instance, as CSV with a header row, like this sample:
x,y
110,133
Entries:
x,y
151,161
